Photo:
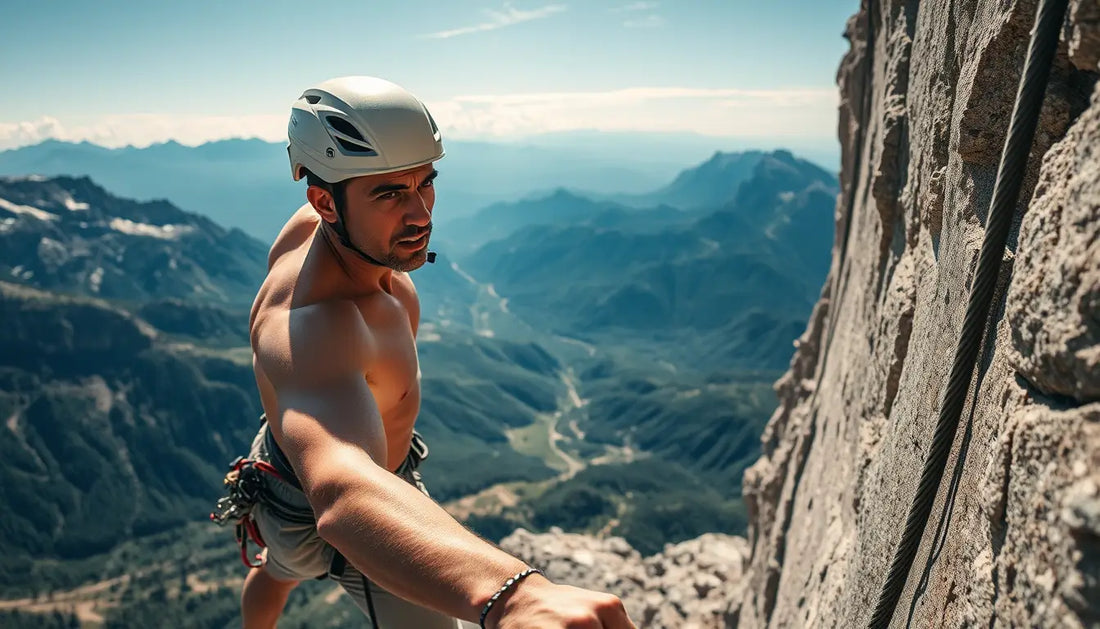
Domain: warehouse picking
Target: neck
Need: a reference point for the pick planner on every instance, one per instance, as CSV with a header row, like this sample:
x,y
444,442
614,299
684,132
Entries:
x,y
356,272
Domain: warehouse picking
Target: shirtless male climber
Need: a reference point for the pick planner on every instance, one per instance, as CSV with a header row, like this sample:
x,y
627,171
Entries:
x,y
333,332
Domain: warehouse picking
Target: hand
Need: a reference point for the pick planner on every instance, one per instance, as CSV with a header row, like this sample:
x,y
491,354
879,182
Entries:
x,y
539,604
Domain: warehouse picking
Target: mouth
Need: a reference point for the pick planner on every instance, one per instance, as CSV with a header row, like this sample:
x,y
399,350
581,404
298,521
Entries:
x,y
415,242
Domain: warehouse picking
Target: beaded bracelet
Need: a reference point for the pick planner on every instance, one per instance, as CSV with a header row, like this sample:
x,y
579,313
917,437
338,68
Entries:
x,y
504,588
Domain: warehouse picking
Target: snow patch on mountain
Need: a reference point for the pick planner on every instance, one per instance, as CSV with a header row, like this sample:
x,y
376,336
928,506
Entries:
x,y
163,232
27,210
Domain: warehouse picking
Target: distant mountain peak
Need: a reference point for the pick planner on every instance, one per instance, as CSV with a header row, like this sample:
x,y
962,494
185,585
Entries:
x,y
69,234
711,184
728,156
564,194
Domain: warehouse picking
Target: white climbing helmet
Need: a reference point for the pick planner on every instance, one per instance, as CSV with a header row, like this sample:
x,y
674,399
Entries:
x,y
360,125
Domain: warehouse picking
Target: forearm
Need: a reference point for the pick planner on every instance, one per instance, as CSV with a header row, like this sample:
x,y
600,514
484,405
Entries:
x,y
409,545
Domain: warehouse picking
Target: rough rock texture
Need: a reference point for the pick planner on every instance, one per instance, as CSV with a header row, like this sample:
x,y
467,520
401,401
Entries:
x,y
687,586
1014,538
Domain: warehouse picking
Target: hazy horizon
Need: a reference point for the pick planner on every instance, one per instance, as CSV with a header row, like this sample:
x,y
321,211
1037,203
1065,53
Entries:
x,y
681,150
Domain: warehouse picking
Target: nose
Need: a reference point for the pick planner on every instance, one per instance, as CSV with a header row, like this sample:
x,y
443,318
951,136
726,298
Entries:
x,y
419,211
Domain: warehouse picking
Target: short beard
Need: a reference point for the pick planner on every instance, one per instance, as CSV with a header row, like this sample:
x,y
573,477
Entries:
x,y
413,262
405,265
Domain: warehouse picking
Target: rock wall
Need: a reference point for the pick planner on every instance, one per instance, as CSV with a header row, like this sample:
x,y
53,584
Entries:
x,y
927,91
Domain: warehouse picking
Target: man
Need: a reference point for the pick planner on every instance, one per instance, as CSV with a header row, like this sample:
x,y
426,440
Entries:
x,y
333,336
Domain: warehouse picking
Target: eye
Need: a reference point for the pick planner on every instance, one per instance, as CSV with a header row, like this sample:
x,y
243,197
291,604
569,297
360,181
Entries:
x,y
428,184
387,196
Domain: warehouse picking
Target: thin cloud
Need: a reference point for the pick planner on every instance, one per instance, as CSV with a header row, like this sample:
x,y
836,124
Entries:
x,y
650,21
809,112
500,19
792,112
143,129
13,134
636,6
633,20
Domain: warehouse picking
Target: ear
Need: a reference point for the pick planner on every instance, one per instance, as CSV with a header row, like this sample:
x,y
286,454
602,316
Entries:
x,y
322,201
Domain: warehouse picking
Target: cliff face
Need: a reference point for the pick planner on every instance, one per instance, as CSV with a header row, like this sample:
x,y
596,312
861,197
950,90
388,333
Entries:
x,y
1014,539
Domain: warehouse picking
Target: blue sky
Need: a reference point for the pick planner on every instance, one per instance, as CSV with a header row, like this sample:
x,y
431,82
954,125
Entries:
x,y
121,73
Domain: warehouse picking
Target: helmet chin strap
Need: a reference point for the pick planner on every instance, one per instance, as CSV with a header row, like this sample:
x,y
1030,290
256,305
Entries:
x,y
342,232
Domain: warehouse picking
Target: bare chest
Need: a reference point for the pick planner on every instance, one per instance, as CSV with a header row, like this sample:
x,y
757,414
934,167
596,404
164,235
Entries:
x,y
394,372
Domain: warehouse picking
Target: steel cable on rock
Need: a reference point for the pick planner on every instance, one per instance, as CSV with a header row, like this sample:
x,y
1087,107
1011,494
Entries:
x,y
1025,116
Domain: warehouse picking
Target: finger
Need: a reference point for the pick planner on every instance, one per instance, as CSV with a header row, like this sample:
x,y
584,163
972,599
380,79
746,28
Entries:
x,y
612,614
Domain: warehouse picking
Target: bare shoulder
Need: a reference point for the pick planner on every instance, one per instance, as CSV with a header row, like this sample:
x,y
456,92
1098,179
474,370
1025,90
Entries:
x,y
311,344
296,231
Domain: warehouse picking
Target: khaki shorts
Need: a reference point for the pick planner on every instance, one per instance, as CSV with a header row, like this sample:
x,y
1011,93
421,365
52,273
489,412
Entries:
x,y
295,552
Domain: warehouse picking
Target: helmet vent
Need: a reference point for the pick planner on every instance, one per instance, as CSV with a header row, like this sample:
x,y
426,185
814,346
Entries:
x,y
312,99
348,137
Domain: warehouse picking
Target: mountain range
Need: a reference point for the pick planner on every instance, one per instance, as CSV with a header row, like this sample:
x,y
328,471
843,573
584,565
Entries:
x,y
246,183
698,276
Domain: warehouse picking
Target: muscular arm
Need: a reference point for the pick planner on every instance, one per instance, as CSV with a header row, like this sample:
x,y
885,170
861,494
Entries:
x,y
331,429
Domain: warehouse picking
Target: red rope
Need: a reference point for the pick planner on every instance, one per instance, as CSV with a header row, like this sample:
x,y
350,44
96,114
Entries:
x,y
245,529
264,466
254,532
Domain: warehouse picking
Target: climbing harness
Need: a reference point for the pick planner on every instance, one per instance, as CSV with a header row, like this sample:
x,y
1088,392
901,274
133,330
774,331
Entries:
x,y
1025,115
246,486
